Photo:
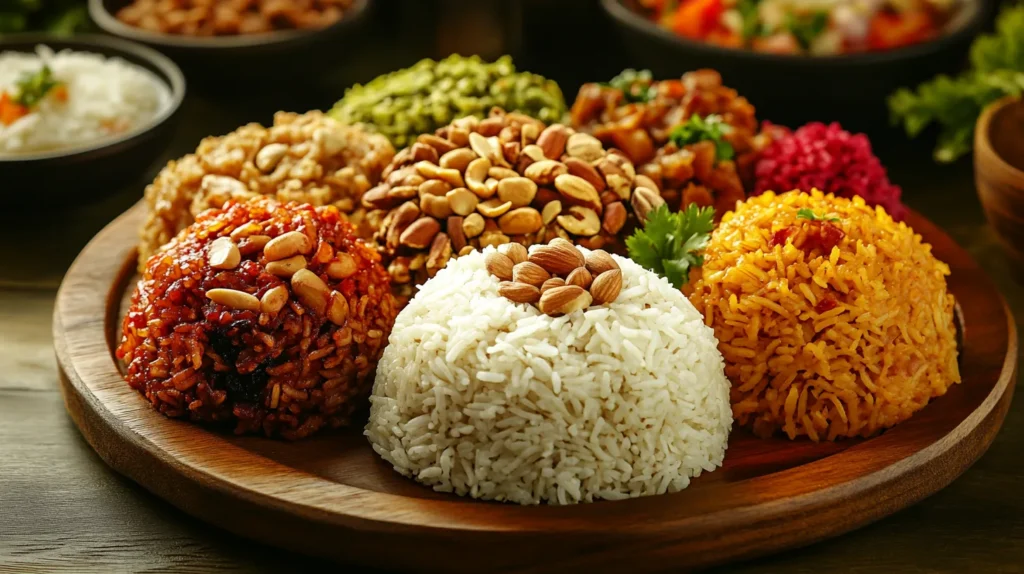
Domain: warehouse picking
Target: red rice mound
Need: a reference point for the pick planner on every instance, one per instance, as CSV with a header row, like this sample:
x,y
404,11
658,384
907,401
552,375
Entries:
x,y
285,373
829,158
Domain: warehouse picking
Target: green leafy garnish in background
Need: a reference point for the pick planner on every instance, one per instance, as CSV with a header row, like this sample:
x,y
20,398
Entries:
x,y
635,85
33,87
997,70
752,25
696,129
60,17
807,27
671,243
805,213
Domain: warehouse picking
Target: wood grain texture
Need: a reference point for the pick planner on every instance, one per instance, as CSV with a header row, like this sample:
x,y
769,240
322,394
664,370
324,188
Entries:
x,y
998,161
331,496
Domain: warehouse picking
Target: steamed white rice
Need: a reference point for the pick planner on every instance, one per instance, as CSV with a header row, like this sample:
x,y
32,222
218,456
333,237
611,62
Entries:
x,y
487,398
107,97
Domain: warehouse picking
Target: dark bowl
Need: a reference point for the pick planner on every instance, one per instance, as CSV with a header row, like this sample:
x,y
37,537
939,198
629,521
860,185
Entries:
x,y
793,89
78,175
240,63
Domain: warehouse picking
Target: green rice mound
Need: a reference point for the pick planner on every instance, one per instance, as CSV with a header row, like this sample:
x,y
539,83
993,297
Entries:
x,y
429,95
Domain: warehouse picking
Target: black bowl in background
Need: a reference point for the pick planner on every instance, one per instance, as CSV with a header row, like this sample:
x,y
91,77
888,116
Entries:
x,y
79,175
792,90
239,64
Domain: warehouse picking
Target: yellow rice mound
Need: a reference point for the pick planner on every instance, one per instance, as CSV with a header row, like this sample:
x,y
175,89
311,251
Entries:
x,y
877,357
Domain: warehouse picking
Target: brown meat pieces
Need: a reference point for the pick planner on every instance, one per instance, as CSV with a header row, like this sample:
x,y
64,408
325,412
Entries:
x,y
308,158
231,17
642,129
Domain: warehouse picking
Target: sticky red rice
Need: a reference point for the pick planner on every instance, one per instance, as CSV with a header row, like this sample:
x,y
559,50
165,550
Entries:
x,y
284,374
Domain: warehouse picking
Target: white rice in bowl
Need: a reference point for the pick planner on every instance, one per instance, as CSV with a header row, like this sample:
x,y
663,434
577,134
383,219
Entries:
x,y
106,97
484,397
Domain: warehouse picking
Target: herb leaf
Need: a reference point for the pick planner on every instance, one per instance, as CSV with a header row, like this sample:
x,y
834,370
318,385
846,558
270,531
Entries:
x,y
670,244
752,25
32,88
636,85
954,104
697,129
809,214
807,27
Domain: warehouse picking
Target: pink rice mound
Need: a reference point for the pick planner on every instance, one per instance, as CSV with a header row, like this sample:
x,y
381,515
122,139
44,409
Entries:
x,y
829,158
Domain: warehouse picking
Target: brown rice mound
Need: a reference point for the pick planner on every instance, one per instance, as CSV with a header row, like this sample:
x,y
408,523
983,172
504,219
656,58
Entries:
x,y
309,158
278,365
828,328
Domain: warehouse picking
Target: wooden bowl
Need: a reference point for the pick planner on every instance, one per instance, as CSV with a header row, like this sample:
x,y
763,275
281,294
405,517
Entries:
x,y
332,496
999,171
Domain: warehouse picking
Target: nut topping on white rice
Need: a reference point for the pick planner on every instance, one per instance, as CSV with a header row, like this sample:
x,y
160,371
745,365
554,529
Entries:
x,y
484,397
101,98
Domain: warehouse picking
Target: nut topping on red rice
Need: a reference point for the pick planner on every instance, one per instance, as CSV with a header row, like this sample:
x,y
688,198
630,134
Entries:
x,y
271,353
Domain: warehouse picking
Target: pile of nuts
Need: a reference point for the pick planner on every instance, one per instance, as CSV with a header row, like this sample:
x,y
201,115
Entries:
x,y
505,179
284,256
230,17
556,277
309,158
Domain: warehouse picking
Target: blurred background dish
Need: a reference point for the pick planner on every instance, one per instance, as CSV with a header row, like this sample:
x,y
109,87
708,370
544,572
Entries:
x,y
112,140
238,49
791,88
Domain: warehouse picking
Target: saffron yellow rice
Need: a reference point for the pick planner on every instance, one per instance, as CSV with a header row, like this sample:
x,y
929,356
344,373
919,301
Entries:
x,y
885,348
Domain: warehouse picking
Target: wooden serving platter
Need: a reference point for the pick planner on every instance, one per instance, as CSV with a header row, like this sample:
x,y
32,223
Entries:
x,y
331,496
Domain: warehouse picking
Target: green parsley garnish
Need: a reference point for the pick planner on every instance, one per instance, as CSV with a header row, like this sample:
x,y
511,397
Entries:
x,y
671,243
32,88
997,70
807,27
752,25
808,214
697,129
636,85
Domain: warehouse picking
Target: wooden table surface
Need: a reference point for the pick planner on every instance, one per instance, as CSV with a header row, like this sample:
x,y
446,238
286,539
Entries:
x,y
62,509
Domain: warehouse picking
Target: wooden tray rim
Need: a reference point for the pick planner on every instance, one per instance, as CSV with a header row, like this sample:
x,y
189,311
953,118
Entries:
x,y
287,489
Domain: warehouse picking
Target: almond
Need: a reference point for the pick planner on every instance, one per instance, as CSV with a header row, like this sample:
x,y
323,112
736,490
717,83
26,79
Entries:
x,y
606,286
552,283
598,261
514,251
529,273
558,257
420,233
519,292
499,265
564,300
458,236
582,169
614,217
580,276
552,141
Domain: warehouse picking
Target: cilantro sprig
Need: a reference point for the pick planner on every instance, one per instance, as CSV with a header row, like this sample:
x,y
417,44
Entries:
x,y
670,244
807,27
32,88
636,86
809,214
711,128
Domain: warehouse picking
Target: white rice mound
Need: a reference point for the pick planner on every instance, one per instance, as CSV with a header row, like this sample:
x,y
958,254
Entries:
x,y
107,98
480,396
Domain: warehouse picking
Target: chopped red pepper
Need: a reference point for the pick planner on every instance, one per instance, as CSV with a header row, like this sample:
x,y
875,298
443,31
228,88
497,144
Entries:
x,y
826,304
781,236
695,18
889,30
10,110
